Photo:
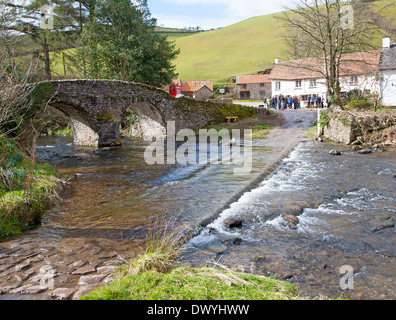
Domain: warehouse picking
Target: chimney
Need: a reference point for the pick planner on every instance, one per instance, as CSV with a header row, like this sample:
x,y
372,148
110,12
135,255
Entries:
x,y
386,43
277,60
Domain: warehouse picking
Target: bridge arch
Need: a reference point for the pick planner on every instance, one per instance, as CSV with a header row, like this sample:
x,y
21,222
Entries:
x,y
97,107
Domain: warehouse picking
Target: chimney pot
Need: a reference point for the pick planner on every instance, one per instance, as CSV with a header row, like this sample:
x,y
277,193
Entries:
x,y
386,43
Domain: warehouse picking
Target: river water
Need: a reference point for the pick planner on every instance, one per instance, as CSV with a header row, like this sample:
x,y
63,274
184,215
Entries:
x,y
339,200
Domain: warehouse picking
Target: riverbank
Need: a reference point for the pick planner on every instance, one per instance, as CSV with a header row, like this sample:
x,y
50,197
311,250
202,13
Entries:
x,y
27,189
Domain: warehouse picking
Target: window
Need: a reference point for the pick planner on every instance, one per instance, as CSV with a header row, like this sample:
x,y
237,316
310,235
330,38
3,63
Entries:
x,y
312,83
298,83
277,85
261,85
245,95
244,86
354,80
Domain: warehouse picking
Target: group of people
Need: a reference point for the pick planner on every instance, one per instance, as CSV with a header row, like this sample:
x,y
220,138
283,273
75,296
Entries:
x,y
281,102
315,102
288,102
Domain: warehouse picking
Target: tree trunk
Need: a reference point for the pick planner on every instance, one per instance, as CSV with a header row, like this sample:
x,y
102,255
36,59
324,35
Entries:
x,y
81,30
47,62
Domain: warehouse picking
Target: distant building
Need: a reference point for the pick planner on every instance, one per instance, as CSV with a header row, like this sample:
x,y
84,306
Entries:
x,y
190,88
387,69
304,78
253,87
204,93
193,89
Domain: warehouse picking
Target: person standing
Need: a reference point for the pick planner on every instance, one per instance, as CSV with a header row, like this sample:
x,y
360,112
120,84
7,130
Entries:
x,y
295,103
318,102
312,101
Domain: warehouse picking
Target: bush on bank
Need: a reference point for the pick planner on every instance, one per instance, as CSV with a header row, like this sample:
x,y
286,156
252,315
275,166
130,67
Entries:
x,y
26,189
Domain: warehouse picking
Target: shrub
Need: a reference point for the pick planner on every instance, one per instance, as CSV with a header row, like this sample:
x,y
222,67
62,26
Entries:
x,y
25,190
360,104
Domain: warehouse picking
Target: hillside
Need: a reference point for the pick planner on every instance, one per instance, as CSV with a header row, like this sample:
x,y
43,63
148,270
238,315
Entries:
x,y
243,48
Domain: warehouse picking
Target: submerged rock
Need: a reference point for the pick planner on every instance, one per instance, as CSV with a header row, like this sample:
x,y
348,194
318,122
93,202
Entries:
x,y
63,293
291,219
383,223
365,151
233,223
335,152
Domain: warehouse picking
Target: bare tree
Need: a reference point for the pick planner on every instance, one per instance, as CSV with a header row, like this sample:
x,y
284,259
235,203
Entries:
x,y
326,30
15,75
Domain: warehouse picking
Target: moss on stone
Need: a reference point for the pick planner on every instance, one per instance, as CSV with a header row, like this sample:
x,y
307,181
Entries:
x,y
106,117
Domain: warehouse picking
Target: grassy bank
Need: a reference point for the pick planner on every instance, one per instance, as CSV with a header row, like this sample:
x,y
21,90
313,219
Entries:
x,y
312,132
185,283
26,189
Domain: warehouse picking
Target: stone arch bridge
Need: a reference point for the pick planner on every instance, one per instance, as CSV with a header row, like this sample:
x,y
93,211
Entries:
x,y
97,107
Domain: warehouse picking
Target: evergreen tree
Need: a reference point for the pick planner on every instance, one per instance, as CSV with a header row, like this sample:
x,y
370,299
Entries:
x,y
119,42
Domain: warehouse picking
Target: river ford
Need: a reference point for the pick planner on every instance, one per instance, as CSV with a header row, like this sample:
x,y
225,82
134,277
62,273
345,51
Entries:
x,y
345,207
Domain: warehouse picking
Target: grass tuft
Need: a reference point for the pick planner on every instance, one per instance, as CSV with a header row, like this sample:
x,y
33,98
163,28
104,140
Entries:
x,y
163,246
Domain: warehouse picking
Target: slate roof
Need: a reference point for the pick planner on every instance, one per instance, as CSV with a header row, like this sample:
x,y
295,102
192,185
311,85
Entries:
x,y
388,59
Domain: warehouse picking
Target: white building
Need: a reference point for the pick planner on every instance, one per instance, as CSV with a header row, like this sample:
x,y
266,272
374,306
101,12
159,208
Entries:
x,y
305,77
388,73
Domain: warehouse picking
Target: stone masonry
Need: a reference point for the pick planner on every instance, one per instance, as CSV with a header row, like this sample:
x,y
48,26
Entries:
x,y
96,108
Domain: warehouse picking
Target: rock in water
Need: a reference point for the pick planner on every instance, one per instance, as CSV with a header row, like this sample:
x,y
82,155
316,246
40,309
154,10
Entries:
x,y
364,151
233,223
291,219
335,153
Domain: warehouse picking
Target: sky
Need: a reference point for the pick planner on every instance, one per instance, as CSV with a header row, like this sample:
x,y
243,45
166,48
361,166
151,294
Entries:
x,y
209,14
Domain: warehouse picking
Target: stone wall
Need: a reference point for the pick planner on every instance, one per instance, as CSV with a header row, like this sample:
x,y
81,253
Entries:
x,y
365,128
255,90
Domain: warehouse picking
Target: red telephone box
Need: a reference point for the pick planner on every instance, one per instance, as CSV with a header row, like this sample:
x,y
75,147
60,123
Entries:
x,y
175,90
